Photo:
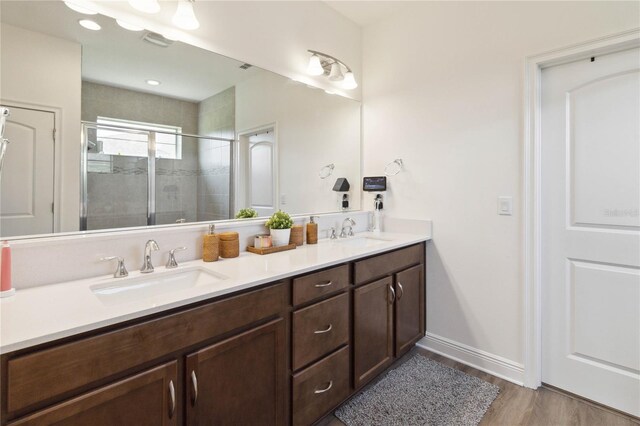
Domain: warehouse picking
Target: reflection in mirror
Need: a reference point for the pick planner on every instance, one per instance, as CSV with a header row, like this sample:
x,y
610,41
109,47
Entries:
x,y
116,129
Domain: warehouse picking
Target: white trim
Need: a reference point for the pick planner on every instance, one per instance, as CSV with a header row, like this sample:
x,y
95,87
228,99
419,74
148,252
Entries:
x,y
532,179
476,358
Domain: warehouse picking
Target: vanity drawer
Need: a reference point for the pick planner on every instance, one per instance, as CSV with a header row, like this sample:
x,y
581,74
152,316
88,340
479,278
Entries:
x,y
321,387
53,373
318,284
378,266
319,329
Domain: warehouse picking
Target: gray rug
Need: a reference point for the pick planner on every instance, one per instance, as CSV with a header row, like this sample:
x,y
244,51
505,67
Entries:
x,y
420,392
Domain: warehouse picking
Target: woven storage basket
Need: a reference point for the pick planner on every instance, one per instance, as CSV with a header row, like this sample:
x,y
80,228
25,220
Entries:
x,y
296,235
229,244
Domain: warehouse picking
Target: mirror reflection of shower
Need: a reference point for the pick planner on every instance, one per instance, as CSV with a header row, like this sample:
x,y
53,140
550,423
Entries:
x,y
4,113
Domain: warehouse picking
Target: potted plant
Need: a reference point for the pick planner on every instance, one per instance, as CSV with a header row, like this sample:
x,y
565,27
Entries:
x,y
279,224
247,213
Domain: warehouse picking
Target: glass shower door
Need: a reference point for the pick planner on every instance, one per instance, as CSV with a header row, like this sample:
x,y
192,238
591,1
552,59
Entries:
x,y
115,178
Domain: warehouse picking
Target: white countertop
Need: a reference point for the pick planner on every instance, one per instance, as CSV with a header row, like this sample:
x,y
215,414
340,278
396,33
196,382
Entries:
x,y
47,313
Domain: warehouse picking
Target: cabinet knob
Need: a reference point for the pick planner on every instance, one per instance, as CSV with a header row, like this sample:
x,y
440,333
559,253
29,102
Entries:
x,y
325,389
326,330
401,292
172,397
194,387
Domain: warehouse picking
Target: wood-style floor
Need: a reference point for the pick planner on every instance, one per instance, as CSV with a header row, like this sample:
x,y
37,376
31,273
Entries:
x,y
520,406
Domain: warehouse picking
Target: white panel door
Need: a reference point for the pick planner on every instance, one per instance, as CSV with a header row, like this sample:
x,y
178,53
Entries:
x,y
591,228
26,194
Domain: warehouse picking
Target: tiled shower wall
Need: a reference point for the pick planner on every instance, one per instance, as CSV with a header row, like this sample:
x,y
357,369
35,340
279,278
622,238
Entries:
x,y
119,199
216,118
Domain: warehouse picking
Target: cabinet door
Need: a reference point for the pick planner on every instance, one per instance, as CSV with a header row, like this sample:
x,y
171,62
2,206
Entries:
x,y
239,381
372,329
409,308
148,398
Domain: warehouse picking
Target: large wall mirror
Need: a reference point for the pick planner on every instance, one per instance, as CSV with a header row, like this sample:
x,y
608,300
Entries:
x,y
114,128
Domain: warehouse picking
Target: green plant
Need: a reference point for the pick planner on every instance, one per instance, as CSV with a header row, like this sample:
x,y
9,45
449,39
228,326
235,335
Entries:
x,y
247,213
279,220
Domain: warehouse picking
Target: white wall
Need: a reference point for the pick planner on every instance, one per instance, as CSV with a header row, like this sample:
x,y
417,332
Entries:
x,y
41,71
273,35
313,129
443,90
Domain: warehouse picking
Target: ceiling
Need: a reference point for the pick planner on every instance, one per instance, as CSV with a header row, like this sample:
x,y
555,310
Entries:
x,y
120,58
365,12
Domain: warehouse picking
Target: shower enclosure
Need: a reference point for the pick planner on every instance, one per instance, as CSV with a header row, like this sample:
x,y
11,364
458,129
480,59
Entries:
x,y
137,175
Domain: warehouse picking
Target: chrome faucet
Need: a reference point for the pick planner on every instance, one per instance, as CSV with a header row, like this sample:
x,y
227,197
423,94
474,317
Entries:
x,y
147,266
173,263
350,225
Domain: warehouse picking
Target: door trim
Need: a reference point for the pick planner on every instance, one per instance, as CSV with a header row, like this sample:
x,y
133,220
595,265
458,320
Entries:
x,y
532,184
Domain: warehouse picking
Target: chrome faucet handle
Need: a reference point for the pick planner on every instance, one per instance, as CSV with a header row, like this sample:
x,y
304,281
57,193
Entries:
x,y
147,266
172,263
121,270
333,235
343,233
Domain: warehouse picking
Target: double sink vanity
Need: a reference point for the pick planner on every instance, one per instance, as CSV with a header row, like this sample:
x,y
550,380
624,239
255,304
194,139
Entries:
x,y
277,339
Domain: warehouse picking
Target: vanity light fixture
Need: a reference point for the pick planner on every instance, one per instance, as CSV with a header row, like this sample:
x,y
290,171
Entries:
x,y
146,6
153,82
128,26
185,17
80,9
89,24
321,63
394,167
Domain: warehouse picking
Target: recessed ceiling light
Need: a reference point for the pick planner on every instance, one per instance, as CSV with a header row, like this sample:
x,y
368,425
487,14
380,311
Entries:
x,y
80,9
128,26
89,24
153,82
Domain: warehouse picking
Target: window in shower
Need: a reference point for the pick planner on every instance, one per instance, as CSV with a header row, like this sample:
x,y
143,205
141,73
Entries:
x,y
116,141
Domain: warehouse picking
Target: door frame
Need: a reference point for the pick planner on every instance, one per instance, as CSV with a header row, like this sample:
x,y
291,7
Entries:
x,y
58,147
240,174
532,183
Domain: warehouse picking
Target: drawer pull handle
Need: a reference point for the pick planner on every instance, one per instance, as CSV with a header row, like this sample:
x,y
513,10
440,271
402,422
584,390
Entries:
x,y
401,292
194,386
325,389
393,294
326,330
327,284
172,396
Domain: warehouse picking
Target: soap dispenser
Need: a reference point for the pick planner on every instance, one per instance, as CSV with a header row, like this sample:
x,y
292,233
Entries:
x,y
211,245
312,231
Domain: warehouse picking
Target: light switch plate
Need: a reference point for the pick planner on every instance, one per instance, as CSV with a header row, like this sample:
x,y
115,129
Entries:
x,y
505,205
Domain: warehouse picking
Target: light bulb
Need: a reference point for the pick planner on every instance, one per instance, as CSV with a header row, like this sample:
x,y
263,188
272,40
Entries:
x,y
184,17
336,72
349,81
146,6
315,67
80,9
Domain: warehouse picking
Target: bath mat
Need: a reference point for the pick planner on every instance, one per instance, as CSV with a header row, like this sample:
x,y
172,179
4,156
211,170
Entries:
x,y
420,392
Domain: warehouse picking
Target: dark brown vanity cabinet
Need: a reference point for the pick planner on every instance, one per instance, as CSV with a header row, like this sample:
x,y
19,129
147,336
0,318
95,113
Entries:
x,y
389,312
285,353
239,381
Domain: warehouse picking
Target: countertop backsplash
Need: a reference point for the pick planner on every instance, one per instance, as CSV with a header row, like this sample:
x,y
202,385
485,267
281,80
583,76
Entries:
x,y
50,260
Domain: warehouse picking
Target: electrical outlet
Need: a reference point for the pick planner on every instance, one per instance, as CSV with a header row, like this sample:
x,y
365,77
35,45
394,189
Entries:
x,y
505,206
283,199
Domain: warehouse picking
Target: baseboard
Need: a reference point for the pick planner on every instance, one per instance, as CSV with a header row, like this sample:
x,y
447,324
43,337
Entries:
x,y
476,358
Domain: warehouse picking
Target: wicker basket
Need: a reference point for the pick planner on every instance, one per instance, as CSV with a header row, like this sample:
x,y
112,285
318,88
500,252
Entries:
x,y
229,244
297,237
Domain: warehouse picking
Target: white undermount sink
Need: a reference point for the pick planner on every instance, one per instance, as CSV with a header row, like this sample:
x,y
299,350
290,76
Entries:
x,y
361,242
147,286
